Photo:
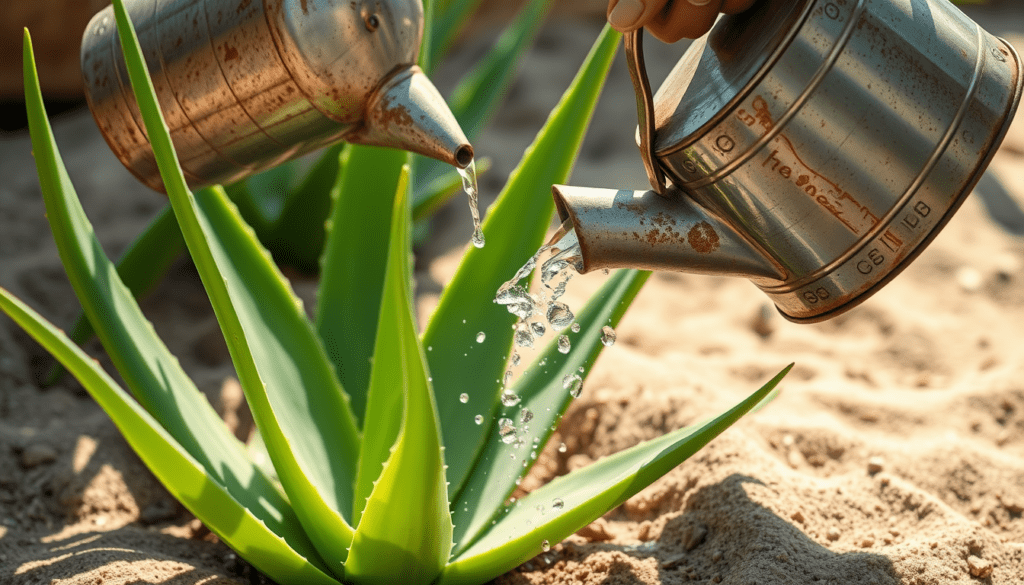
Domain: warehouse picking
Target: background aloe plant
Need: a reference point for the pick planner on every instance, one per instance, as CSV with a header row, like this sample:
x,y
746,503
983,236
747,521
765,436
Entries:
x,y
381,473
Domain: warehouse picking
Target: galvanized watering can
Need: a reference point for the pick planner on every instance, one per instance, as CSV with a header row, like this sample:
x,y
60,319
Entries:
x,y
246,85
812,146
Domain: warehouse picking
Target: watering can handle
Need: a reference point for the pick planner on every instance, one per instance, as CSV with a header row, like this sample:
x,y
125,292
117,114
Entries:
x,y
644,107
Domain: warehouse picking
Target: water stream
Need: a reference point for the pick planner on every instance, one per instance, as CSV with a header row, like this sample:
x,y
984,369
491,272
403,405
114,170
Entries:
x,y
469,185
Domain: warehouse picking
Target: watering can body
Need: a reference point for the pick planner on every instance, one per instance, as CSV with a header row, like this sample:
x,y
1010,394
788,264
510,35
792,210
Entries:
x,y
812,146
246,85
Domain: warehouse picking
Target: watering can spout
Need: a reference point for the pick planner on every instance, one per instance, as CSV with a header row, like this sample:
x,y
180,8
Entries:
x,y
408,112
645,230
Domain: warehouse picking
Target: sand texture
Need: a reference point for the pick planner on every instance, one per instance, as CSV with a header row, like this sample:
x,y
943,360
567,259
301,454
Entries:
x,y
893,455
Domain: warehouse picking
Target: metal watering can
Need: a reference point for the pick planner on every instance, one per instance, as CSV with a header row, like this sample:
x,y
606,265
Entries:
x,y
812,146
246,85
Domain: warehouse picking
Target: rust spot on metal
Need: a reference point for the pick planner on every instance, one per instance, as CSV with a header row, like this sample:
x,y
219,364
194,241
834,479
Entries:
x,y
230,53
398,115
242,6
703,238
305,6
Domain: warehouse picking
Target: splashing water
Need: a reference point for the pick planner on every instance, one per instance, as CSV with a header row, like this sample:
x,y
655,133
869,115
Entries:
x,y
564,345
559,315
574,384
607,336
469,185
507,430
509,398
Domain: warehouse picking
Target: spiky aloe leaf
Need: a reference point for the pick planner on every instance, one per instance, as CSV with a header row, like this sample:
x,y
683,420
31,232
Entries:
x,y
300,408
352,272
184,477
543,392
154,375
515,227
140,268
404,533
585,495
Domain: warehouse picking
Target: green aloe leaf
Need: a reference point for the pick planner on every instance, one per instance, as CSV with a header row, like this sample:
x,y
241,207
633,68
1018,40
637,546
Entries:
x,y
449,16
384,404
184,477
300,408
298,236
153,374
404,533
352,272
576,499
543,392
515,227
474,100
479,92
140,268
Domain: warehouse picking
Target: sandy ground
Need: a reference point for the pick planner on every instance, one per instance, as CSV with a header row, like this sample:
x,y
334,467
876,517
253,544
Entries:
x,y
895,453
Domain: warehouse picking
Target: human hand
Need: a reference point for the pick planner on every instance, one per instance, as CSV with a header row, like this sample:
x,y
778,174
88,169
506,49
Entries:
x,y
671,20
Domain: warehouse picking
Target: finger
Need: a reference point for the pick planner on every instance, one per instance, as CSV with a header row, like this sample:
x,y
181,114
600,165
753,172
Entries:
x,y
629,15
736,6
684,21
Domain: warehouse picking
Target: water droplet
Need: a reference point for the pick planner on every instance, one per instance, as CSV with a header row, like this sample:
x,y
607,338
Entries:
x,y
480,337
575,327
538,329
545,546
479,419
515,359
607,336
430,348
540,508
561,448
509,398
519,480
563,344
507,431
508,377
559,315
558,504
574,384
525,416
463,398
523,337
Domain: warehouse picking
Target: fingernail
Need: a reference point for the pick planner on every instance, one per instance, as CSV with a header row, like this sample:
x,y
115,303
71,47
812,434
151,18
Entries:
x,y
700,2
626,13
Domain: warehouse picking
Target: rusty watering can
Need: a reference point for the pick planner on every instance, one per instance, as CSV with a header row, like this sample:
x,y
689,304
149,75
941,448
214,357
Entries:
x,y
812,146
246,85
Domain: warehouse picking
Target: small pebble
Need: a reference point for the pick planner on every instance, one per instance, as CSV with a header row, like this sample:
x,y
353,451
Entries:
x,y
37,454
693,535
867,542
674,562
875,465
979,567
797,516
832,534
716,556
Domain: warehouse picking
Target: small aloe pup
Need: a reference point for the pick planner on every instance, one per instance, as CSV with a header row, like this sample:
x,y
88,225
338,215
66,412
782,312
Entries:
x,y
380,471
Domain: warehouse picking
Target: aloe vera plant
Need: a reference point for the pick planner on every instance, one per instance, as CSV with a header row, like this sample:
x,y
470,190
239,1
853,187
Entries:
x,y
381,472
